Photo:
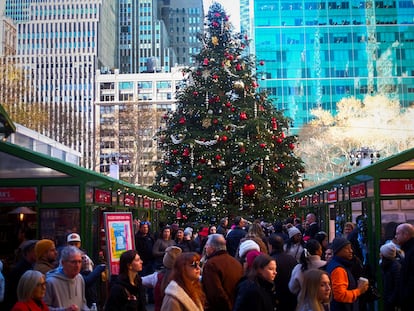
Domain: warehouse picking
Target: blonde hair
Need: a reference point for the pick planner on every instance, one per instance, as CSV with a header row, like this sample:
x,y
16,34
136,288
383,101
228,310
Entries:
x,y
308,295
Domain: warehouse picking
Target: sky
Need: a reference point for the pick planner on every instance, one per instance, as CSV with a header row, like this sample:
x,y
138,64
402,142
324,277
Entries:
x,y
231,7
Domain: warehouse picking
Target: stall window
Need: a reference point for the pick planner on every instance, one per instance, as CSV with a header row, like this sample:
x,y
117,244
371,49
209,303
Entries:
x,y
57,223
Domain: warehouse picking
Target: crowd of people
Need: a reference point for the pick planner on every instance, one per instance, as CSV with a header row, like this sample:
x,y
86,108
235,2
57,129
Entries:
x,y
287,266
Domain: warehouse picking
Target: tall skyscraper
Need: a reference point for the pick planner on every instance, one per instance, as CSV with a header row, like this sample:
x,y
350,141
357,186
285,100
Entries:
x,y
184,20
318,52
61,44
143,39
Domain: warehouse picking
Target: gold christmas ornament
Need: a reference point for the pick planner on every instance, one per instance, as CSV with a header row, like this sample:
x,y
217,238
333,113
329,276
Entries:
x,y
215,41
206,123
238,85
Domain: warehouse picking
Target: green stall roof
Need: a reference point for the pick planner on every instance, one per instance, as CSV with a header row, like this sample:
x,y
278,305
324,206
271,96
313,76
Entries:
x,y
400,166
17,163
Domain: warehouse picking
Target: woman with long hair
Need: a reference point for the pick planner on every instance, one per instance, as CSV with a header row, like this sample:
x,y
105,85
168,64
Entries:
x,y
256,291
127,293
30,292
184,292
309,259
316,293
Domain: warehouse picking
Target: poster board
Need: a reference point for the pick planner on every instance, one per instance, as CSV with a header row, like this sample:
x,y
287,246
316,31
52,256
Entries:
x,y
119,236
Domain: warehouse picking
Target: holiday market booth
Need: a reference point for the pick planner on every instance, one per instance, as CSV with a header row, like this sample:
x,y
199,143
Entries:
x,y
43,197
376,198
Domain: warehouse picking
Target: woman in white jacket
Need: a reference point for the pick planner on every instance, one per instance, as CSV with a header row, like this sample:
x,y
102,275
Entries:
x,y
309,259
184,292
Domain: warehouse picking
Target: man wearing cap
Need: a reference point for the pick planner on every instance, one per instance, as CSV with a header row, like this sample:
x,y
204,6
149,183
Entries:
x,y
346,290
221,274
12,279
91,274
405,238
46,256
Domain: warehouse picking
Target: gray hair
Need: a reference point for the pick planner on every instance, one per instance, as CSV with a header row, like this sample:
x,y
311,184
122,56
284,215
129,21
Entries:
x,y
27,284
68,252
217,241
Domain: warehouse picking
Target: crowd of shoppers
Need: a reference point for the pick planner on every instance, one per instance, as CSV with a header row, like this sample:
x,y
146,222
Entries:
x,y
290,266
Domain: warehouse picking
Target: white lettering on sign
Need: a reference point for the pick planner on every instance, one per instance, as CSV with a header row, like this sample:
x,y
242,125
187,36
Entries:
x,y
409,186
4,194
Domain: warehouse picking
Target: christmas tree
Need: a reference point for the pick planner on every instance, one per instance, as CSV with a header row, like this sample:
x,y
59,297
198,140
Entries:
x,y
227,151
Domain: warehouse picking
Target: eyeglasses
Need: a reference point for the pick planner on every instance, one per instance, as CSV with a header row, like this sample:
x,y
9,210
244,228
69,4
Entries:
x,y
41,284
195,264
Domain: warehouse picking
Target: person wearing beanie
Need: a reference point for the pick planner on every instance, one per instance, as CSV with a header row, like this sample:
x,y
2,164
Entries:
x,y
221,274
345,288
294,246
391,276
160,279
46,256
246,246
250,257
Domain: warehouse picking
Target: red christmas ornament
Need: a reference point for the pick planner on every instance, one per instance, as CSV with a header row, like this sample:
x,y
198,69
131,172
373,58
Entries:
x,y
224,138
215,78
262,63
195,93
186,152
249,189
238,67
175,151
178,214
282,165
205,61
182,120
215,121
165,116
230,57
199,177
233,109
274,123
243,115
262,145
291,146
255,84
279,140
202,160
228,104
275,169
283,135
242,150
218,157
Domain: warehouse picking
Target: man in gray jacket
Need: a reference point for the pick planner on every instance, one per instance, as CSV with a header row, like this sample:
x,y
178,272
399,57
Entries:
x,y
65,285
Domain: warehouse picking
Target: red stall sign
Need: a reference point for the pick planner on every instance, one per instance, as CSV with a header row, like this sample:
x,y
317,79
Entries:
x,y
358,191
103,196
396,187
18,195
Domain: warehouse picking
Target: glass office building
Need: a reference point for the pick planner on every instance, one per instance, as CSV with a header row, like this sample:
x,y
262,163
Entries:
x,y
317,52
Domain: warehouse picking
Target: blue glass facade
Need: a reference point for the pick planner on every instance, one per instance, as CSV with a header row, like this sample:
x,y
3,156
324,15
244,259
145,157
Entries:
x,y
318,52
